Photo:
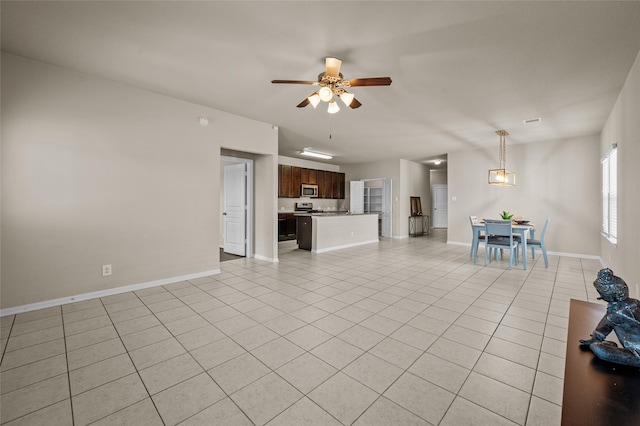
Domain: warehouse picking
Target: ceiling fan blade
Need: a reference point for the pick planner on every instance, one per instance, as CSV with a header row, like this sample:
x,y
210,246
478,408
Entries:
x,y
333,67
293,82
373,81
303,103
355,104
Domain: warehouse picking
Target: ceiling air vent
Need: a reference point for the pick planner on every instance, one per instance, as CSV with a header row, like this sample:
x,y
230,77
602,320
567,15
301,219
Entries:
x,y
532,120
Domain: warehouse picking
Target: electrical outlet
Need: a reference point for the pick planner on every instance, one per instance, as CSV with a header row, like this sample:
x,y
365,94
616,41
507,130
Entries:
x,y
106,270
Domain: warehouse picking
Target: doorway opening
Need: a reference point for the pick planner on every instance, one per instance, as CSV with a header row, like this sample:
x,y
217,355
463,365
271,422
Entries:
x,y
228,256
439,206
236,207
377,199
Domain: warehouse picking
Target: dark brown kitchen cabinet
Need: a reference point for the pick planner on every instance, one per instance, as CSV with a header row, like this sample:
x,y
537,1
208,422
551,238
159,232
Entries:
x,y
313,180
295,182
320,183
291,178
286,226
327,186
337,186
284,181
304,176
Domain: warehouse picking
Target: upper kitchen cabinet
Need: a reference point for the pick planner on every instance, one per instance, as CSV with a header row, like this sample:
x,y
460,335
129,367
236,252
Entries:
x,y
284,181
337,186
325,191
313,177
295,182
291,178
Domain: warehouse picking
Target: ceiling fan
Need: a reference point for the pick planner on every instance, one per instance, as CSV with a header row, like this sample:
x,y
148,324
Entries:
x,y
331,83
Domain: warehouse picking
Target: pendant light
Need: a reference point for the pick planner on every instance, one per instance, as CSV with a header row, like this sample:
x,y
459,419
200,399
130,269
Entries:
x,y
502,176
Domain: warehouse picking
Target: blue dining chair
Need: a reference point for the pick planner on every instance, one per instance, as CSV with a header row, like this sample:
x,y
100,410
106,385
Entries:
x,y
499,235
480,237
540,243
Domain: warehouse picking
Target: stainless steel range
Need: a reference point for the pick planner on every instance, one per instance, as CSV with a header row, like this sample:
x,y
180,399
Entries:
x,y
305,207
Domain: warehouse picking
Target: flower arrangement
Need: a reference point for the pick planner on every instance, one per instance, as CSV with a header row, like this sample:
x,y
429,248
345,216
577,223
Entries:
x,y
506,215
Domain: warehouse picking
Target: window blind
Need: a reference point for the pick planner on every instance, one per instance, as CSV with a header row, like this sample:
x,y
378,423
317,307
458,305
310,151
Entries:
x,y
610,194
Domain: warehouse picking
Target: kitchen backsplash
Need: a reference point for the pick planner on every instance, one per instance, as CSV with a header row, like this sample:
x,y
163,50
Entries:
x,y
289,204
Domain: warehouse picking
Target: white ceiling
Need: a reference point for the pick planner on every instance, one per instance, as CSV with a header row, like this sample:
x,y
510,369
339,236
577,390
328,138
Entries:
x,y
460,70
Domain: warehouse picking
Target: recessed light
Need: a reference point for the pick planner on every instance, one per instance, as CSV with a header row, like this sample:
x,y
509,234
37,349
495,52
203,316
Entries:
x,y
437,162
532,120
204,121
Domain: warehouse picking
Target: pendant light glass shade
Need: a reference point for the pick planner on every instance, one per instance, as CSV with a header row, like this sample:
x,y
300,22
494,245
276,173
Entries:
x,y
314,99
333,107
347,98
502,176
326,94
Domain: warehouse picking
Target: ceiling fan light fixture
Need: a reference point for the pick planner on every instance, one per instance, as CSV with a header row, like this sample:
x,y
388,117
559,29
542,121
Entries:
x,y
326,94
333,107
314,99
315,154
347,98
331,84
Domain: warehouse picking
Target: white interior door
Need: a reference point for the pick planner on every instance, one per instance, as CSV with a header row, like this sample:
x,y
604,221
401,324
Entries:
x,y
385,230
439,206
235,213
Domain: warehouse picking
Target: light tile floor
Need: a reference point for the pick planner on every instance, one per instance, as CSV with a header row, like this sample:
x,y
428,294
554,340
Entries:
x,y
404,332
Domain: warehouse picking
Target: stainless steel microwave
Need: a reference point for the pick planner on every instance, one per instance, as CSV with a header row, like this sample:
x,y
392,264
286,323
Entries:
x,y
309,190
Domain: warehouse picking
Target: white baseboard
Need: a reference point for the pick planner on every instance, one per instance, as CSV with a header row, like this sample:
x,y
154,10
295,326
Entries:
x,y
265,258
102,293
344,246
552,253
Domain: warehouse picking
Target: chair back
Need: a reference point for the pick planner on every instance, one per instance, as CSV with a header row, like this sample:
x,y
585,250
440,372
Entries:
x,y
544,230
498,228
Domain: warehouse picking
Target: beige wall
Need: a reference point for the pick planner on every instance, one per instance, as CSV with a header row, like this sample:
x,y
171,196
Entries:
x,y
623,128
408,178
438,177
415,182
386,169
95,172
265,205
559,180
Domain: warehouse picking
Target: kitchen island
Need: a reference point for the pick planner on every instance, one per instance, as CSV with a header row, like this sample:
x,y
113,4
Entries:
x,y
323,232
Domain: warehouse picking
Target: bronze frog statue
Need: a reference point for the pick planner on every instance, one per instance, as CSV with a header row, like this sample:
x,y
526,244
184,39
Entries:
x,y
622,317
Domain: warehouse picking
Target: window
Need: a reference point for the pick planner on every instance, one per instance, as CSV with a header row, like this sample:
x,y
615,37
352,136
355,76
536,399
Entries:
x,y
610,195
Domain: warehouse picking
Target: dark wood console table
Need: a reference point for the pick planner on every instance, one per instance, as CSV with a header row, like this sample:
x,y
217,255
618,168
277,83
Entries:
x,y
419,225
596,392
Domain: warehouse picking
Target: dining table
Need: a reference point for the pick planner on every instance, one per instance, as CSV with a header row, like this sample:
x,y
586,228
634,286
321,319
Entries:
x,y
526,231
